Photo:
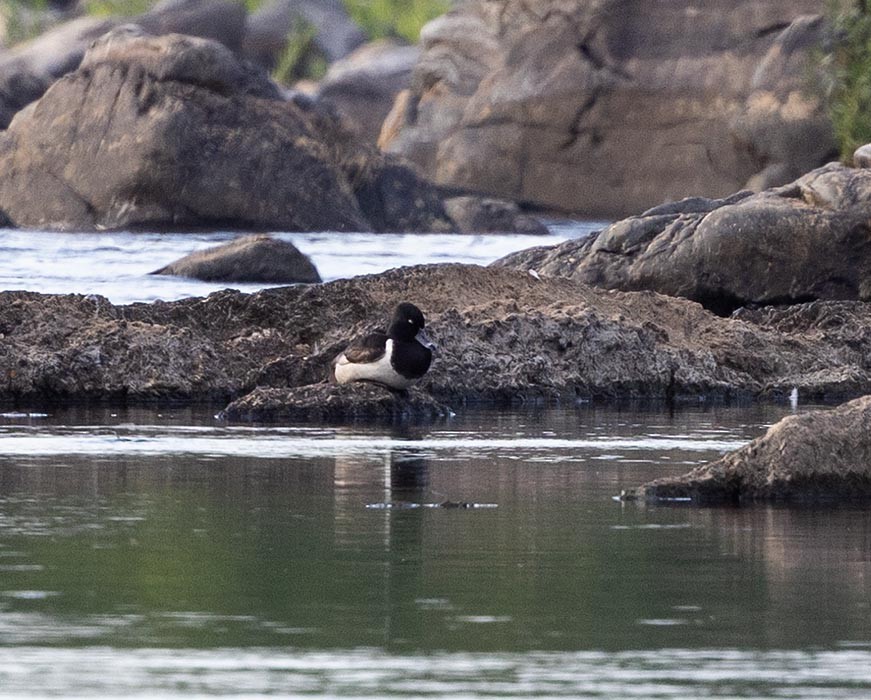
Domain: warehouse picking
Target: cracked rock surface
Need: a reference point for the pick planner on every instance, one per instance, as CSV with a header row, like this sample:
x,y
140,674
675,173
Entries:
x,y
608,107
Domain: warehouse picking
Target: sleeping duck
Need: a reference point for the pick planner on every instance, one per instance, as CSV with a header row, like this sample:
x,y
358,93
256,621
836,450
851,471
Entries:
x,y
396,359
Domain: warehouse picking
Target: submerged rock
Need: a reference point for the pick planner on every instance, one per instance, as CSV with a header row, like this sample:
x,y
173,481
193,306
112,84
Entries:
x,y
820,455
328,403
247,259
804,241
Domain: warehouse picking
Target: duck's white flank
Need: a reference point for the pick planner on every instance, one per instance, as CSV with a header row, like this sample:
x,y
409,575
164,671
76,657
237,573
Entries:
x,y
380,371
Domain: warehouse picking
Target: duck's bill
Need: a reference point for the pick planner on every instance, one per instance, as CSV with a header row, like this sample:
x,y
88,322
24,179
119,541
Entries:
x,y
422,338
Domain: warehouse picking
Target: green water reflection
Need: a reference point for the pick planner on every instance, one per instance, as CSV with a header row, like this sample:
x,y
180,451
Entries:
x,y
213,552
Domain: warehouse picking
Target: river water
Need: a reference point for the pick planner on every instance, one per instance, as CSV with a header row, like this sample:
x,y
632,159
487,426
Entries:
x,y
161,553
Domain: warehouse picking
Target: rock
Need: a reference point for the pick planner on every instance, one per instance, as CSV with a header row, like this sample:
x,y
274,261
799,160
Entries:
x,y
393,197
819,455
504,337
28,70
783,126
246,259
268,28
564,107
167,132
488,215
220,20
331,403
862,156
804,241
364,84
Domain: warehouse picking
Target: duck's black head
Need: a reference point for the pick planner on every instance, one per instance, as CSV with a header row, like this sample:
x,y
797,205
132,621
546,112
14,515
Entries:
x,y
407,322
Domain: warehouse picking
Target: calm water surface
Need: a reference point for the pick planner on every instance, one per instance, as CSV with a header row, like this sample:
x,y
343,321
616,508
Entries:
x,y
160,554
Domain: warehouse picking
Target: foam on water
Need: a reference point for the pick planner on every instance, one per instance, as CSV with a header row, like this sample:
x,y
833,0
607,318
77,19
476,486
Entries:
x,y
40,672
270,446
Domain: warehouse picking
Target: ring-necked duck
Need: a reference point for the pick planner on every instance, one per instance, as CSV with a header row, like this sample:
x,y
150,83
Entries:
x,y
396,359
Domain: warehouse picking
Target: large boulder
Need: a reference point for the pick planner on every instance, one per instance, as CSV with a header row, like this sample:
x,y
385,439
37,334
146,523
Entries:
x,y
820,455
174,131
246,259
503,336
608,107
800,242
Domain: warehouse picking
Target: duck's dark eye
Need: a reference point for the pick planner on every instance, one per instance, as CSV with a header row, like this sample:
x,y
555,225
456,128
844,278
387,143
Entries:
x,y
410,321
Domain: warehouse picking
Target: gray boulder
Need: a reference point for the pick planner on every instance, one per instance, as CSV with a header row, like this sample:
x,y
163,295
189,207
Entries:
x,y
363,85
29,69
820,455
247,259
268,29
608,107
487,215
800,242
170,131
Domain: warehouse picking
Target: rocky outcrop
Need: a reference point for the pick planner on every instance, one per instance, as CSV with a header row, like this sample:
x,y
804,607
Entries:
x,y
247,259
28,70
612,106
503,337
331,403
820,455
805,241
174,131
363,85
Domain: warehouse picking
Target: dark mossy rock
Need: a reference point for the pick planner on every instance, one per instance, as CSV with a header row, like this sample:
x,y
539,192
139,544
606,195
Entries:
x,y
247,259
822,455
503,336
332,403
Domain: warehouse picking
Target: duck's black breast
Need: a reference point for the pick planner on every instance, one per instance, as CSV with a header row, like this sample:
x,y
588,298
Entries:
x,y
410,359
368,348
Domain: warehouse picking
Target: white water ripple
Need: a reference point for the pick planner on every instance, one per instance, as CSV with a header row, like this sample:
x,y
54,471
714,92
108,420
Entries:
x,y
100,672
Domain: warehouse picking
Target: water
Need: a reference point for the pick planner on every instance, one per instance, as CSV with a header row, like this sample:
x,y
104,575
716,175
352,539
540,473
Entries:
x,y
150,553
155,554
116,265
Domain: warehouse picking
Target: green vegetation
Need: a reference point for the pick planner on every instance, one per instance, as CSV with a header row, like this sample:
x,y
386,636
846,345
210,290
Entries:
x,y
847,75
395,18
301,58
116,8
24,19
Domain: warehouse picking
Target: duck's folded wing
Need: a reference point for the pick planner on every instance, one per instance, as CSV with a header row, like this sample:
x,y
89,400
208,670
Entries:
x,y
368,348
